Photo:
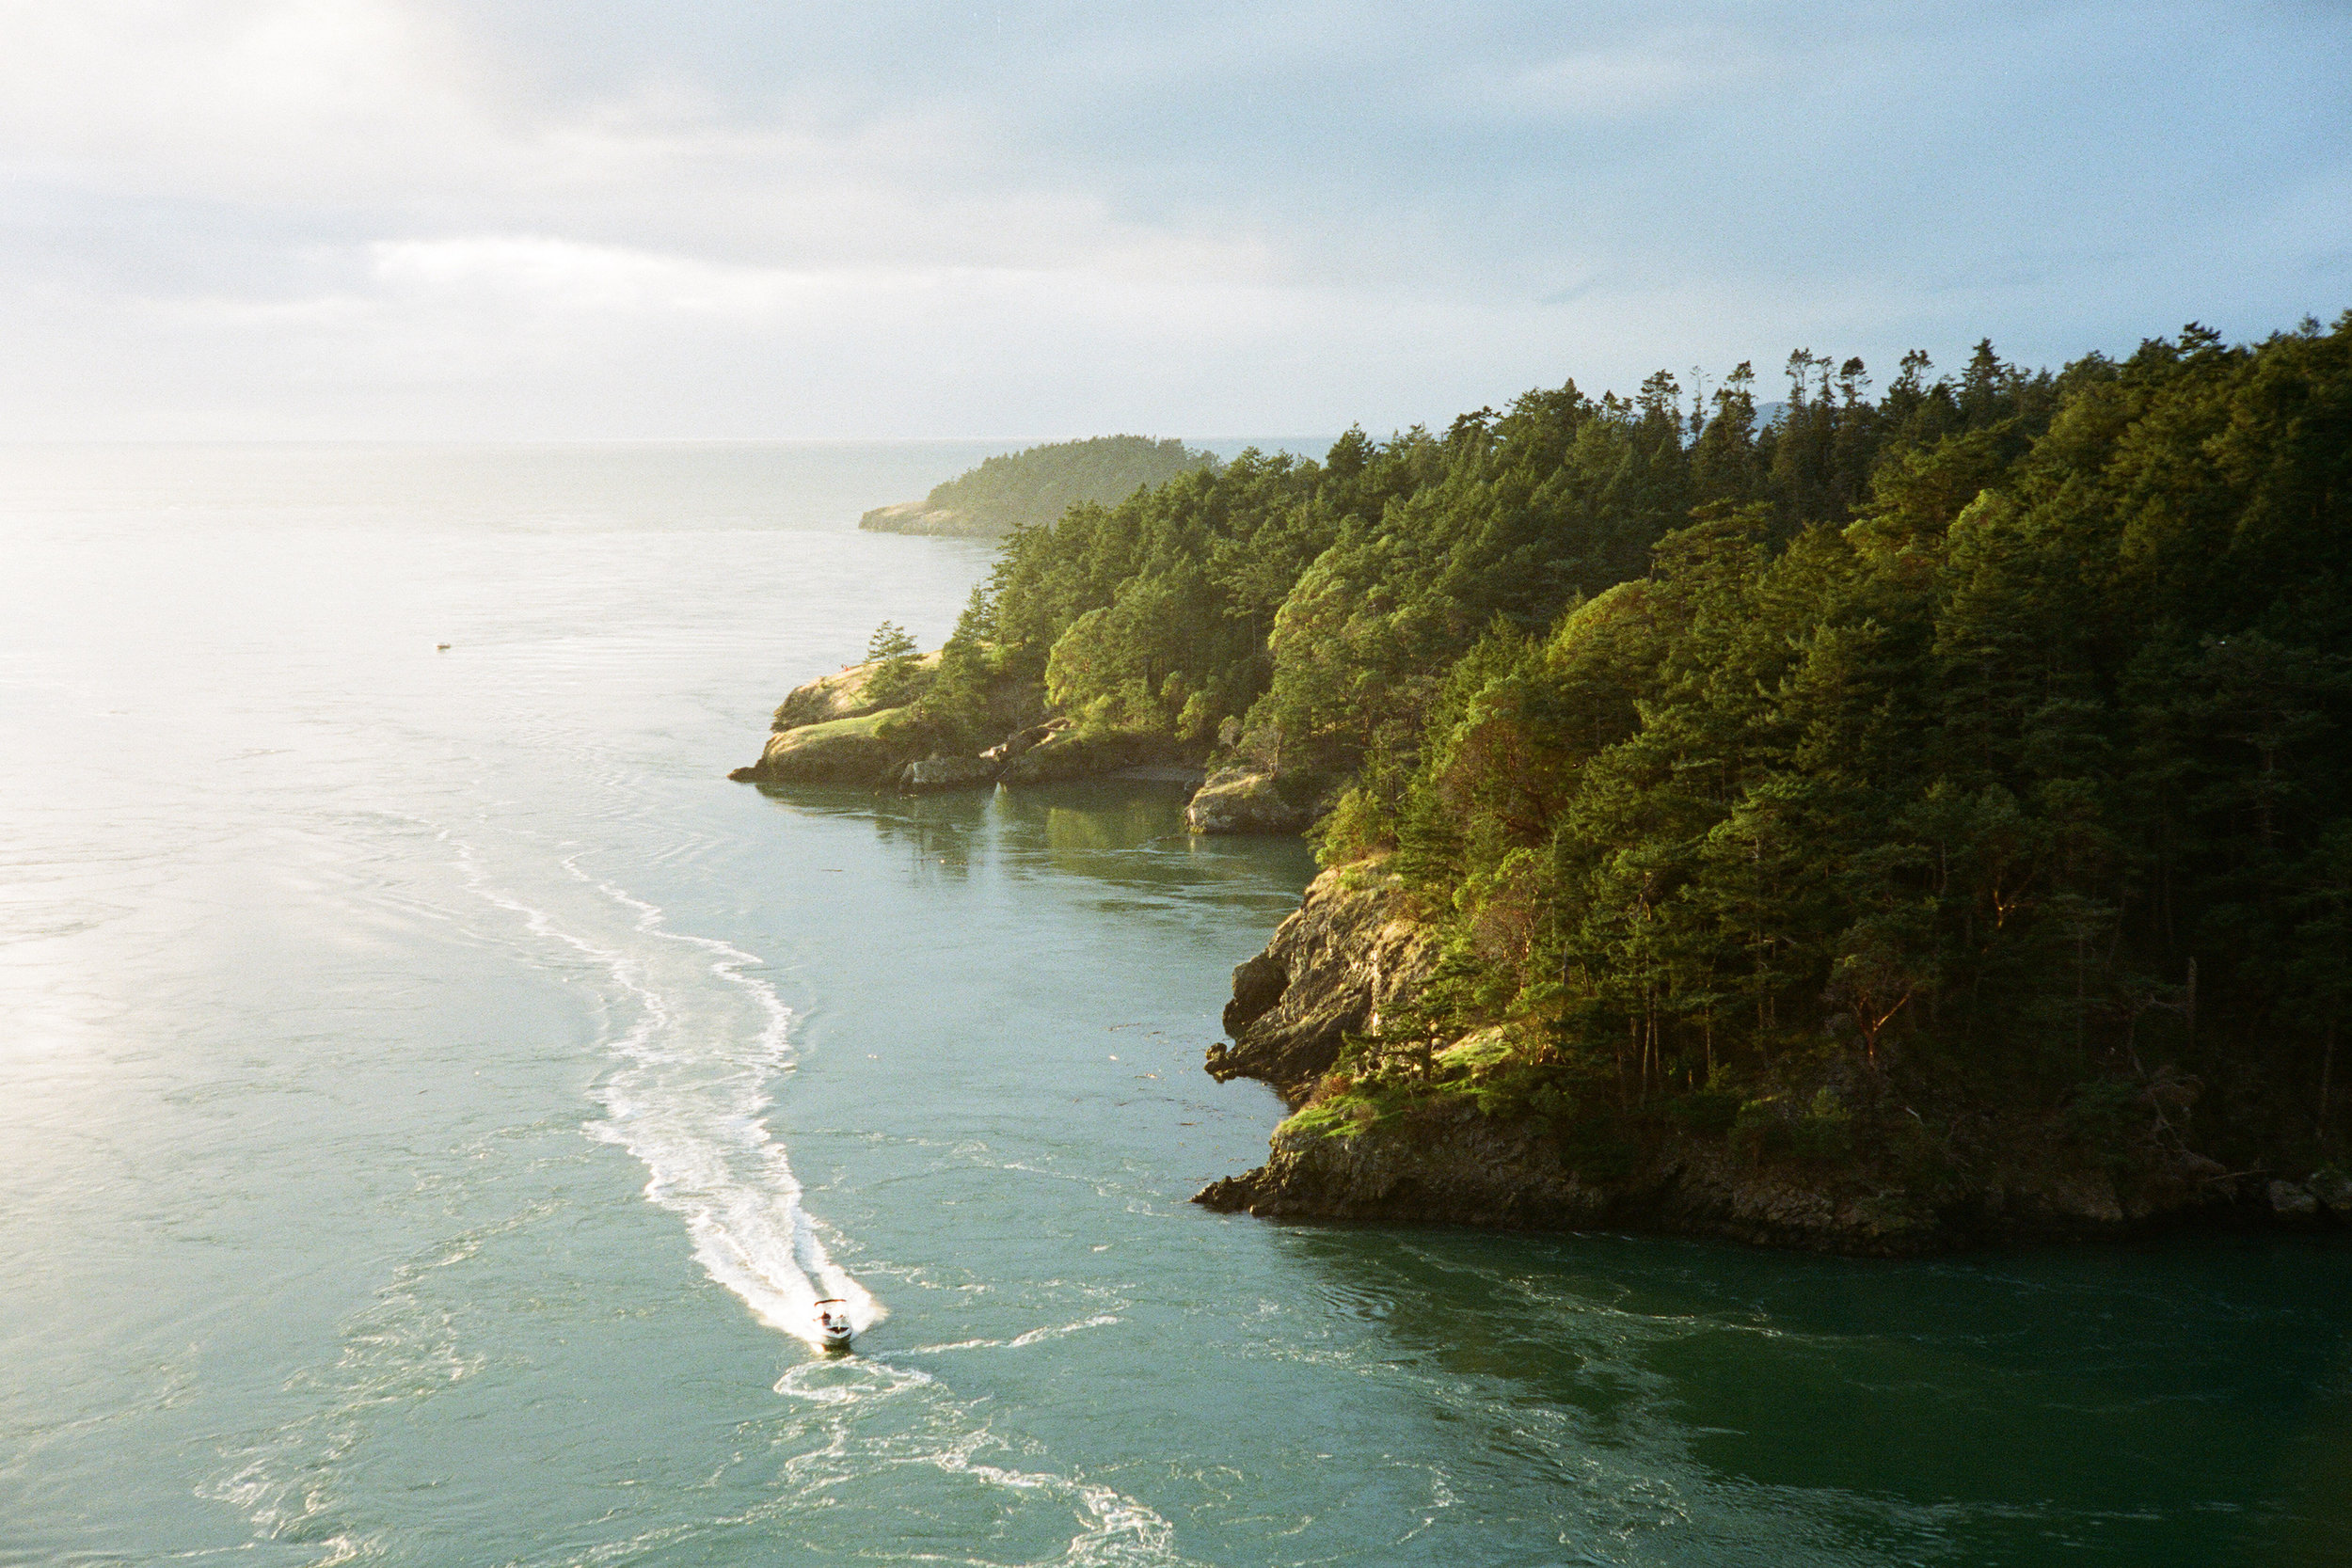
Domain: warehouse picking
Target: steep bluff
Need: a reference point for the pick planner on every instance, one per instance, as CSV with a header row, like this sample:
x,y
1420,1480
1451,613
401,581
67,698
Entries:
x,y
1328,973
1873,1175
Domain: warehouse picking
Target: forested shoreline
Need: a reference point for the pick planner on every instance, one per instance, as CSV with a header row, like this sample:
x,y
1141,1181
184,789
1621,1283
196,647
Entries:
x,y
1036,485
1811,785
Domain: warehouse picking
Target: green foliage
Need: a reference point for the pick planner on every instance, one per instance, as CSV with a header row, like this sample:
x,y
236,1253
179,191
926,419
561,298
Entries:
x,y
1825,1131
1705,1113
1931,739
1599,1146
1349,1113
1955,786
1759,1130
2106,1116
1032,488
890,641
901,678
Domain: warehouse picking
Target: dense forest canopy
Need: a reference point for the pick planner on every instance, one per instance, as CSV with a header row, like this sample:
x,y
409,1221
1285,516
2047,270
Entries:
x,y
1985,730
1037,486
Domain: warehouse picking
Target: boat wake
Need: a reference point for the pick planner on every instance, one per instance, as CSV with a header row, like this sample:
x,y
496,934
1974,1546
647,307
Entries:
x,y
685,1095
693,1069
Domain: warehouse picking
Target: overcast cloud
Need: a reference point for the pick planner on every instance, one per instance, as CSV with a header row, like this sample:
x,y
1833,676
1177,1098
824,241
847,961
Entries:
x,y
572,219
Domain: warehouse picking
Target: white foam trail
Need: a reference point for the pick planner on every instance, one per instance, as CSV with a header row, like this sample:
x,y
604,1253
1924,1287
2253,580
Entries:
x,y
1120,1532
686,1096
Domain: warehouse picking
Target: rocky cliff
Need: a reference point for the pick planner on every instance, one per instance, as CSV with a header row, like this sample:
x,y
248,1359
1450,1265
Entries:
x,y
1447,1162
1852,1169
1328,973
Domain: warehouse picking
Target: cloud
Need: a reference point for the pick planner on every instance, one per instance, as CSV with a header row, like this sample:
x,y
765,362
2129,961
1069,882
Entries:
x,y
543,274
529,217
1666,73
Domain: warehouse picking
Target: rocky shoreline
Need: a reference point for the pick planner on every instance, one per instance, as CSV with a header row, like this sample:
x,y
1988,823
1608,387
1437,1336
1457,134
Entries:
x,y
1351,954
1348,955
922,517
836,729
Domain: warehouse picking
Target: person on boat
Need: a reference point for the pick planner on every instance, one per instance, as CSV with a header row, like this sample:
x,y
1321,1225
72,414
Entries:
x,y
832,1322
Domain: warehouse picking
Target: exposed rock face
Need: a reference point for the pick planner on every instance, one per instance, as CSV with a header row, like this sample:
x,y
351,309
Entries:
x,y
1237,801
839,695
934,774
1258,984
922,517
846,752
1450,1164
2293,1201
1328,972
1022,740
831,731
1068,754
1347,956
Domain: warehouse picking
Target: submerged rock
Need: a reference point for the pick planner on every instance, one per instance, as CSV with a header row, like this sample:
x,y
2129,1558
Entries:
x,y
1237,801
2334,1189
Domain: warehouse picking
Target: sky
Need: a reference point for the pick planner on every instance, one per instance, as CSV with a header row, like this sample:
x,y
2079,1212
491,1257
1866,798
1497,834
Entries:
x,y
722,219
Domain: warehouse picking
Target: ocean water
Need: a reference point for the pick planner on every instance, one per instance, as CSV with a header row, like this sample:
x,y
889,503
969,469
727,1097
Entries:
x,y
431,1095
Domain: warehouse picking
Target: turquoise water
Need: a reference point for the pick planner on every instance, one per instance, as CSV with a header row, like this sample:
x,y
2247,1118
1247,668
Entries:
x,y
432,1094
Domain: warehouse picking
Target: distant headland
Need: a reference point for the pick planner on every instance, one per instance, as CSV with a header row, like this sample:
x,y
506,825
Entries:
x,y
1033,488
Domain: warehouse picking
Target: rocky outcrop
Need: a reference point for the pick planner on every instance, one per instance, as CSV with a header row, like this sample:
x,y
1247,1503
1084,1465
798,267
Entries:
x,y
934,774
1448,1163
1237,800
836,729
1844,1164
1069,754
922,517
839,695
842,751
1328,973
833,731
1022,740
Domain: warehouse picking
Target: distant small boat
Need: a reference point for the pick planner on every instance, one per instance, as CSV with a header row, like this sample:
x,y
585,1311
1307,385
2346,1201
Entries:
x,y
442,646
832,1324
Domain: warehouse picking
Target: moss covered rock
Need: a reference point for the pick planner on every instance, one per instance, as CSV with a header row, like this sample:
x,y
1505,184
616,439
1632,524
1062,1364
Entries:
x,y
856,750
1237,801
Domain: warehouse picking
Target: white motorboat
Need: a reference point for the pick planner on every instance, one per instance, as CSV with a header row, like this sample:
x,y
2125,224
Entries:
x,y
832,1324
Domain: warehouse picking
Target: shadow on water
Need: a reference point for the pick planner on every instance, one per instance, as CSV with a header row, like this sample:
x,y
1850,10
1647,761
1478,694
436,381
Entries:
x,y
2183,1402
1125,835
2189,1401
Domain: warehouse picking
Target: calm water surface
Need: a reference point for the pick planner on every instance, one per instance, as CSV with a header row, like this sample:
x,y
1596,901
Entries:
x,y
430,1094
